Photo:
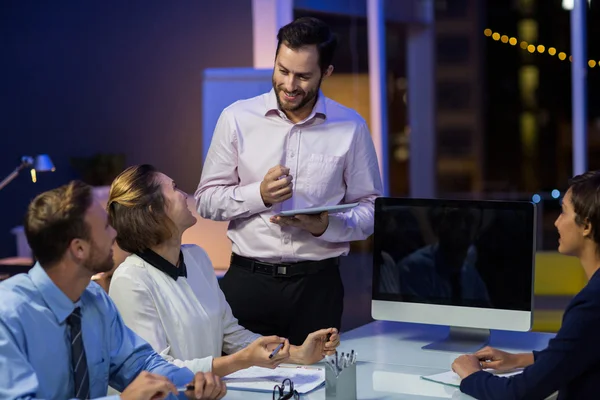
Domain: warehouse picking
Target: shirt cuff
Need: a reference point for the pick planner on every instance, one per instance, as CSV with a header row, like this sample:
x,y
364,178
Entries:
x,y
468,384
250,196
208,363
202,365
337,224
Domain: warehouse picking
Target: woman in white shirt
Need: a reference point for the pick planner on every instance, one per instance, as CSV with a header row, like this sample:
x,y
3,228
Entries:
x,y
168,293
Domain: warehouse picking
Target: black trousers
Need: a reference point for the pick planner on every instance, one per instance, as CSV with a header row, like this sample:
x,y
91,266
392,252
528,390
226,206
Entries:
x,y
287,307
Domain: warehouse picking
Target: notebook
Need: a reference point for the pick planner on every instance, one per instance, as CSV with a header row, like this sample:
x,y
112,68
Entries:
x,y
305,378
452,379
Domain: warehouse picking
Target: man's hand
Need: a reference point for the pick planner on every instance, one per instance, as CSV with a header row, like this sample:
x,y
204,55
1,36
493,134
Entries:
x,y
466,365
316,346
207,386
148,386
258,352
315,223
501,360
276,186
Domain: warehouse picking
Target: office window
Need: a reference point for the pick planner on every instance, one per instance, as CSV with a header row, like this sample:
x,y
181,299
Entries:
x,y
453,49
453,95
455,141
528,30
450,9
454,183
526,6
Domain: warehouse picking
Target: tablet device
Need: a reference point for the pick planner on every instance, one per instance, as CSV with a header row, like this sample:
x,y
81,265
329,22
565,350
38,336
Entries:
x,y
317,210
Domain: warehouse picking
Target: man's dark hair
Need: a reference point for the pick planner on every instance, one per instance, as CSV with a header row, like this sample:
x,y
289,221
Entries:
x,y
56,217
585,196
308,31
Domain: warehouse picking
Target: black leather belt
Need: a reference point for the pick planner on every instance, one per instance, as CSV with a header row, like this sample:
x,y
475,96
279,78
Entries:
x,y
283,270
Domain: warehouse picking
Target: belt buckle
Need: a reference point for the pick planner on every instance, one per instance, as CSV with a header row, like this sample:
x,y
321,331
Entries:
x,y
281,270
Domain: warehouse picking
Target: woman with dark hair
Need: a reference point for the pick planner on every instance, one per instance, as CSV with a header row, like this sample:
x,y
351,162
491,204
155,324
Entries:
x,y
168,292
571,362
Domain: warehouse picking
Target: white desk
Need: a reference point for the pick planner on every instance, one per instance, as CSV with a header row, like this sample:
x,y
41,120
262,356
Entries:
x,y
391,361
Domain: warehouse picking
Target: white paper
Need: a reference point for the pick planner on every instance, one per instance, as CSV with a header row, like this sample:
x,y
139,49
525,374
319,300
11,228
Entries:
x,y
305,379
452,379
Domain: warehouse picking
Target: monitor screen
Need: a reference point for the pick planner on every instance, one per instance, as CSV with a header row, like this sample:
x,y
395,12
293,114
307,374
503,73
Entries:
x,y
453,252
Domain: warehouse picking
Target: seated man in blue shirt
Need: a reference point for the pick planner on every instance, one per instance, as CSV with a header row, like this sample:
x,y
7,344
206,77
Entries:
x,y
61,336
571,362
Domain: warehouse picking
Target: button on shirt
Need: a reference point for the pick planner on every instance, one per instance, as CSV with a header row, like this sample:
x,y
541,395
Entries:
x,y
35,343
331,158
185,318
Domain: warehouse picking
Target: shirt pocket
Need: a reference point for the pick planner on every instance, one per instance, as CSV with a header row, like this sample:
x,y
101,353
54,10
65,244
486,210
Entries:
x,y
98,373
325,174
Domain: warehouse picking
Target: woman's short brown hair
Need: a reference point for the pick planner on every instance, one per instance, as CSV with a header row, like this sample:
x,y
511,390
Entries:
x,y
585,196
136,209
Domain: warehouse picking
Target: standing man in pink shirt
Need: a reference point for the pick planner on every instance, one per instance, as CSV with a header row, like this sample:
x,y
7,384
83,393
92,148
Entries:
x,y
288,149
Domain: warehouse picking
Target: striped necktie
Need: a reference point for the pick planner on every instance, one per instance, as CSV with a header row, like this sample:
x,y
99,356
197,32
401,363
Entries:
x,y
78,360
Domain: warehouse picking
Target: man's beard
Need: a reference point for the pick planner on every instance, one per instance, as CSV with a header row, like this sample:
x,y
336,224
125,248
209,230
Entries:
x,y
95,265
308,97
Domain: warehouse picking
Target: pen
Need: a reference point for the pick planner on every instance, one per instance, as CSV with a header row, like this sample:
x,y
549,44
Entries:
x,y
185,388
276,350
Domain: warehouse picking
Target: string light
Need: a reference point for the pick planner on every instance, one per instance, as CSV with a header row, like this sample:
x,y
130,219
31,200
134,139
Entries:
x,y
540,48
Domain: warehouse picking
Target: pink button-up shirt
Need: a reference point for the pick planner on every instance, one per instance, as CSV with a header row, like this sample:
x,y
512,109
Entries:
x,y
331,158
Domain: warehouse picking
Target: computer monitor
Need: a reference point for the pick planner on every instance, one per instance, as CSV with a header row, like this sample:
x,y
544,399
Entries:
x,y
465,264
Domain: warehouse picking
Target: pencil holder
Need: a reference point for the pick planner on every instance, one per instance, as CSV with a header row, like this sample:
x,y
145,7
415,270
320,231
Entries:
x,y
341,386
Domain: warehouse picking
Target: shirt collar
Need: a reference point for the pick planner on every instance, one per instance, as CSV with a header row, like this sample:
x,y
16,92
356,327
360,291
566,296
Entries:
x,y
318,110
56,300
163,265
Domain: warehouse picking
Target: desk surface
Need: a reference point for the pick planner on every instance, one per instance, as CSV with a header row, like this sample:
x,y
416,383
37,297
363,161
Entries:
x,y
400,343
392,361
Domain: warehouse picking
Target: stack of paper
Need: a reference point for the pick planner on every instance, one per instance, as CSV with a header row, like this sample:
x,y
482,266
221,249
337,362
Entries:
x,y
452,379
259,379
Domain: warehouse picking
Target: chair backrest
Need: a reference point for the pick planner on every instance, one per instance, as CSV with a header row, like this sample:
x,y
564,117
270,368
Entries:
x,y
13,266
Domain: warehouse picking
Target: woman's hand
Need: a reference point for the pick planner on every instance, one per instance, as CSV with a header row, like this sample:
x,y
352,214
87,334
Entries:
x,y
258,352
502,361
316,346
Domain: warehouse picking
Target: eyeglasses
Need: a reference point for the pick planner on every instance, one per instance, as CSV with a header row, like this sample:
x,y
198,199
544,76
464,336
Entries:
x,y
285,391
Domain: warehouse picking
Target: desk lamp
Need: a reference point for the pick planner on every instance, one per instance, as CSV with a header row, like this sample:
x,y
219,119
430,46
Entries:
x,y
41,163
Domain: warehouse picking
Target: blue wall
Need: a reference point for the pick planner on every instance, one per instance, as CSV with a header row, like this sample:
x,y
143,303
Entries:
x,y
81,77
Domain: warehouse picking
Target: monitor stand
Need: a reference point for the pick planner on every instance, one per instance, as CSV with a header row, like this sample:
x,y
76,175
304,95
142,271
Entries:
x,y
462,340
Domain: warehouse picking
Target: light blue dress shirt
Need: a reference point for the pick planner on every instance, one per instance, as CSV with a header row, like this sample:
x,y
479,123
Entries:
x,y
35,351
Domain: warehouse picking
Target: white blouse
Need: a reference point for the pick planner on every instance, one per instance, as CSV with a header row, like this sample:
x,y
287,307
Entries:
x,y
187,321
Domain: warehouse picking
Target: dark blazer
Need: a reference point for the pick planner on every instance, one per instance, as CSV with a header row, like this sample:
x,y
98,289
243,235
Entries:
x,y
570,363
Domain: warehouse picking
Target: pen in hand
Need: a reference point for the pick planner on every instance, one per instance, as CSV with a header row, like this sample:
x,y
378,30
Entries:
x,y
276,350
186,388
